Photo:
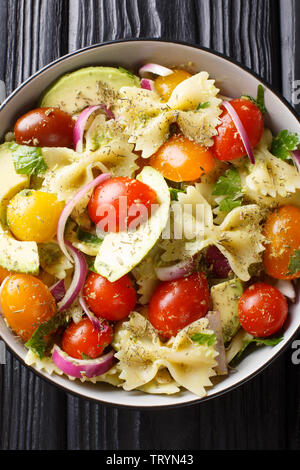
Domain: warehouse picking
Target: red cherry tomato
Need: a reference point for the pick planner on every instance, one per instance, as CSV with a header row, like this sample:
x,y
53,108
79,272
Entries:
x,y
262,310
112,214
110,300
82,339
228,144
176,304
45,127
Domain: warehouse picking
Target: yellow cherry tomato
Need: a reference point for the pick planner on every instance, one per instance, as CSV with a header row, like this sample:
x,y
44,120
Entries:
x,y
3,274
166,85
33,215
26,303
181,159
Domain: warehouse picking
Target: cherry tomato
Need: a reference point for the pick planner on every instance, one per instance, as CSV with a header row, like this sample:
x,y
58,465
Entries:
x,y
112,214
82,339
45,127
181,159
110,300
33,215
3,274
26,303
176,304
283,238
228,144
262,310
166,85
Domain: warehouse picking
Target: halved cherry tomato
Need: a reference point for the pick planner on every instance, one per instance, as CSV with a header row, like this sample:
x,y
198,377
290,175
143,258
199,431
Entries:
x,y
262,310
176,304
228,144
81,339
110,300
118,203
181,159
26,303
166,85
282,231
45,127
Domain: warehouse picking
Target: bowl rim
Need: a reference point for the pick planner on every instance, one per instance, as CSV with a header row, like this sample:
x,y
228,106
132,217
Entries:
x,y
285,345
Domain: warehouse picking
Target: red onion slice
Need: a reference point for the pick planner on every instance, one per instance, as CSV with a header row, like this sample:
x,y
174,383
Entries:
x,y
147,84
79,276
241,130
98,325
82,368
58,290
82,121
215,324
217,262
177,271
296,158
156,69
68,209
286,288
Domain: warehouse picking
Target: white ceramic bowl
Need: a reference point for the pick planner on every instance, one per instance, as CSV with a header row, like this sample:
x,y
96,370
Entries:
x,y
233,80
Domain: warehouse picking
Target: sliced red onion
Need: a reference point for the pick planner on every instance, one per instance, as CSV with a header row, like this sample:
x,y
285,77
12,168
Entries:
x,y
82,121
241,130
58,290
98,325
217,262
215,324
177,271
286,288
69,207
147,84
296,158
79,276
82,368
156,69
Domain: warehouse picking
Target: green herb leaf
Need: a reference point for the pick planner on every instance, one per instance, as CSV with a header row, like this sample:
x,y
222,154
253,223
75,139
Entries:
x,y
174,193
203,105
126,71
260,100
294,265
28,160
88,237
85,357
203,338
284,144
37,342
268,341
91,265
258,341
230,186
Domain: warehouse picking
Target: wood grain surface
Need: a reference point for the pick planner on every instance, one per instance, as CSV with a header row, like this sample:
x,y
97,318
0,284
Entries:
x,y
262,414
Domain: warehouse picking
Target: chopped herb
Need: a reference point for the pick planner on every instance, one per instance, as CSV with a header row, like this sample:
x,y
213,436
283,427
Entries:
x,y
260,100
88,237
203,338
131,75
203,105
28,160
91,265
85,357
294,265
258,341
230,186
174,193
37,343
284,144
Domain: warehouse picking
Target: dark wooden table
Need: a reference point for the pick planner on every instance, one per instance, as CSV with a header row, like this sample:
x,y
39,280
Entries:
x,y
262,414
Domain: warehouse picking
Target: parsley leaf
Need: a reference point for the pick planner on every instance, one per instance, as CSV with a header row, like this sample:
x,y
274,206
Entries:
x,y
85,357
284,144
260,100
88,237
294,265
230,186
258,341
174,193
28,160
37,343
203,105
203,338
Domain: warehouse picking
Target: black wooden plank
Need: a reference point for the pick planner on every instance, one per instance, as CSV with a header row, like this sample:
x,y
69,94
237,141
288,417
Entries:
x,y
252,416
32,413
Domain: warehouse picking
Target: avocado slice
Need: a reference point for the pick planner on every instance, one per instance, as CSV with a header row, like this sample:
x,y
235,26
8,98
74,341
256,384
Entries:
x,y
86,87
14,255
225,297
121,252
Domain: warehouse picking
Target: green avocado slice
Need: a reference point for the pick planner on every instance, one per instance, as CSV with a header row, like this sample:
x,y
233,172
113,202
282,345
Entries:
x,y
121,252
87,87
